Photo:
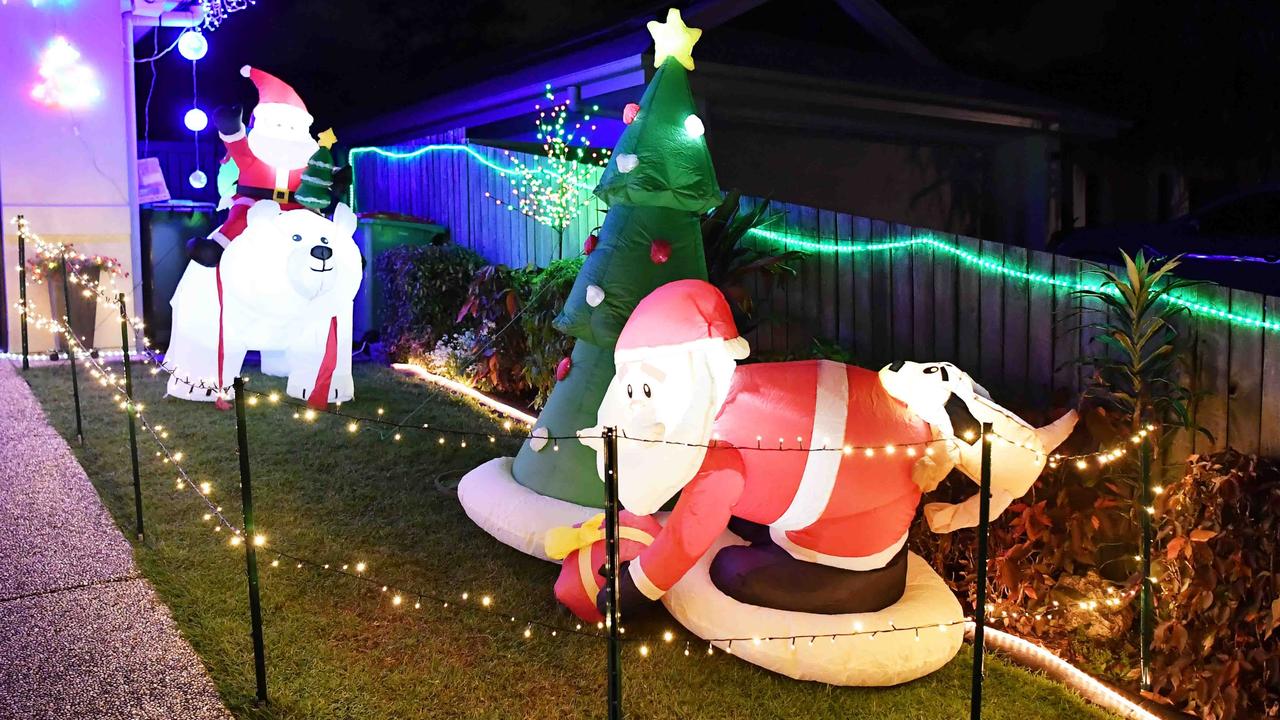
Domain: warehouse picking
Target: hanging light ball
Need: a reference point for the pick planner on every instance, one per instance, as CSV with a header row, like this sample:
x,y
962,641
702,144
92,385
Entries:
x,y
196,120
192,45
198,179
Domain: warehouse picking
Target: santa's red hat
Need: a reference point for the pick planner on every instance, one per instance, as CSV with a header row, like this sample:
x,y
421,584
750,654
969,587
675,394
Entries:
x,y
680,314
272,90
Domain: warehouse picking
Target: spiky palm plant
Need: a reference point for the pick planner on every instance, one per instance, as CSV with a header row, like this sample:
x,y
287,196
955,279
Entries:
x,y
731,261
1143,378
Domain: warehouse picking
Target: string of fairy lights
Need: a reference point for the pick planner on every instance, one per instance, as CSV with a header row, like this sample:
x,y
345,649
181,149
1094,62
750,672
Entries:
x,y
570,165
400,596
1080,461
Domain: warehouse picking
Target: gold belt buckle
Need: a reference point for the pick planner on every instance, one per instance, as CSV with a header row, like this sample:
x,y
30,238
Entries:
x,y
280,196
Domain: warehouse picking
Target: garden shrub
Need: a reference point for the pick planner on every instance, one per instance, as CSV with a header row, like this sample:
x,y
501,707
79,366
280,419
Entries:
x,y
423,288
1067,541
546,292
732,261
1217,641
493,300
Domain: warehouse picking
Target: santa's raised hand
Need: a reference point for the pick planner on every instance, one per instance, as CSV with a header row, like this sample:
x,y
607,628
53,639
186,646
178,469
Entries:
x,y
271,157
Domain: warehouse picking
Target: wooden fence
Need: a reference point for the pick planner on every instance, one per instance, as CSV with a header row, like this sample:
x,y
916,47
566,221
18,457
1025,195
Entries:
x,y
449,186
915,301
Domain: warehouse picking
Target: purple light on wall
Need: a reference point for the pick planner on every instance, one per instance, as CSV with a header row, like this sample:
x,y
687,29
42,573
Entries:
x,y
1235,258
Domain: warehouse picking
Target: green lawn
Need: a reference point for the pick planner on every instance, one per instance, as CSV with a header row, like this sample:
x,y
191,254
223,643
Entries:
x,y
336,648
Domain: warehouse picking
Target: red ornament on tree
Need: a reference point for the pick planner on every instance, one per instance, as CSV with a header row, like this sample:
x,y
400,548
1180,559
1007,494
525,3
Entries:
x,y
564,366
590,244
629,112
659,251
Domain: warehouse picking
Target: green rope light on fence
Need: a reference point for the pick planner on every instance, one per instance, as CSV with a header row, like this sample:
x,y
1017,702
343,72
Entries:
x,y
815,244
419,152
811,243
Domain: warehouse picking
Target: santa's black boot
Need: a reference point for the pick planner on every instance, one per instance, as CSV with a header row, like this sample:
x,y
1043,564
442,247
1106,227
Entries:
x,y
765,575
205,251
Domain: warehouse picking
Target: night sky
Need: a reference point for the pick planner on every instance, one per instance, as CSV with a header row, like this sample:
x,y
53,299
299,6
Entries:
x,y
1199,79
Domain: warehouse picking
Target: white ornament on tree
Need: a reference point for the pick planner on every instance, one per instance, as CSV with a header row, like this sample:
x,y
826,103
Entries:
x,y
627,162
538,438
595,295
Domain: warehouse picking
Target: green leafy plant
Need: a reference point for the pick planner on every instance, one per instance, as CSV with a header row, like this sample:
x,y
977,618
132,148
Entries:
x,y
546,291
45,263
493,301
731,261
1139,375
424,286
826,349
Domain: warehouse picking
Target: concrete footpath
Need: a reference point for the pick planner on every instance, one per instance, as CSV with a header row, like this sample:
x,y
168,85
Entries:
x,y
82,633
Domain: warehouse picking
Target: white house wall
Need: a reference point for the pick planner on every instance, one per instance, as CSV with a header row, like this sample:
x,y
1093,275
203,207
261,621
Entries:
x,y
70,172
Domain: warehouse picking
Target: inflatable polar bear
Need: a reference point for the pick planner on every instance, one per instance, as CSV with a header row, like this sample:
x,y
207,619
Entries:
x,y
285,288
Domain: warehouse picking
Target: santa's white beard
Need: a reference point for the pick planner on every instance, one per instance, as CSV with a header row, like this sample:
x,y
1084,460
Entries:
x,y
662,441
651,473
280,152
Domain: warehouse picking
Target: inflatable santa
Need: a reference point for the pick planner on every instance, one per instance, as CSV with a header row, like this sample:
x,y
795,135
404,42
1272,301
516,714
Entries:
x,y
820,466
271,157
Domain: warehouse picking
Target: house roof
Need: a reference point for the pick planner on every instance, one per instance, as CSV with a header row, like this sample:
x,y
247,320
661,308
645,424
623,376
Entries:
x,y
827,55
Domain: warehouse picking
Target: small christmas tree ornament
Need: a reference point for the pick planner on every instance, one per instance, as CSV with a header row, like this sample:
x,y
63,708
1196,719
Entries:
x,y
316,190
629,112
590,244
228,180
563,368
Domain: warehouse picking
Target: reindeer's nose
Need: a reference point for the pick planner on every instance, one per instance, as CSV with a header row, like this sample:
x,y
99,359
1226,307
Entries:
x,y
321,252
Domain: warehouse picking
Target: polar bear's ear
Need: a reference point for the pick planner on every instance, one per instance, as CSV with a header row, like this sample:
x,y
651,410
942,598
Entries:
x,y
262,210
344,219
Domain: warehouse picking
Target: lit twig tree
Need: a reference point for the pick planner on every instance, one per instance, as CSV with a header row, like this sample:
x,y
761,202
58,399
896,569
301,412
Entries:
x,y
555,188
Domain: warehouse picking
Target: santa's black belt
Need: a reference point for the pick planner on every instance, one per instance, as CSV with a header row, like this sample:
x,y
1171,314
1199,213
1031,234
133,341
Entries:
x,y
257,193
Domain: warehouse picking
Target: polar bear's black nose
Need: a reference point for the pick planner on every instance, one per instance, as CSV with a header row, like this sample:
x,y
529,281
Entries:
x,y
321,252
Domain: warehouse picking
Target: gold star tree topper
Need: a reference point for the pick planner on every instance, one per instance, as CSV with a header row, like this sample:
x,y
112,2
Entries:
x,y
326,139
673,39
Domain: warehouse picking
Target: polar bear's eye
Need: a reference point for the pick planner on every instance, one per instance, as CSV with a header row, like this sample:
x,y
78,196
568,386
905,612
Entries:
x,y
297,238
931,369
324,240
647,393
628,391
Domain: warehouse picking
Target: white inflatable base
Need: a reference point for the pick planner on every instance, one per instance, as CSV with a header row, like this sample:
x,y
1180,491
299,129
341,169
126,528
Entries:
x,y
511,512
888,658
520,517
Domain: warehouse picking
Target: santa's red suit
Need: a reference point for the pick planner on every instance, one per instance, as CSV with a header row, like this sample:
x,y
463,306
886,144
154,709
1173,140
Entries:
x,y
845,508
258,179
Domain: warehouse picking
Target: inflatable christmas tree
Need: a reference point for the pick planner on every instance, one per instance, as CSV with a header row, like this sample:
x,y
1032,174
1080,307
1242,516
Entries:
x,y
657,184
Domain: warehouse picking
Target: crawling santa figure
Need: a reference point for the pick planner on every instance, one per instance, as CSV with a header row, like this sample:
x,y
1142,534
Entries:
x,y
271,157
818,465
